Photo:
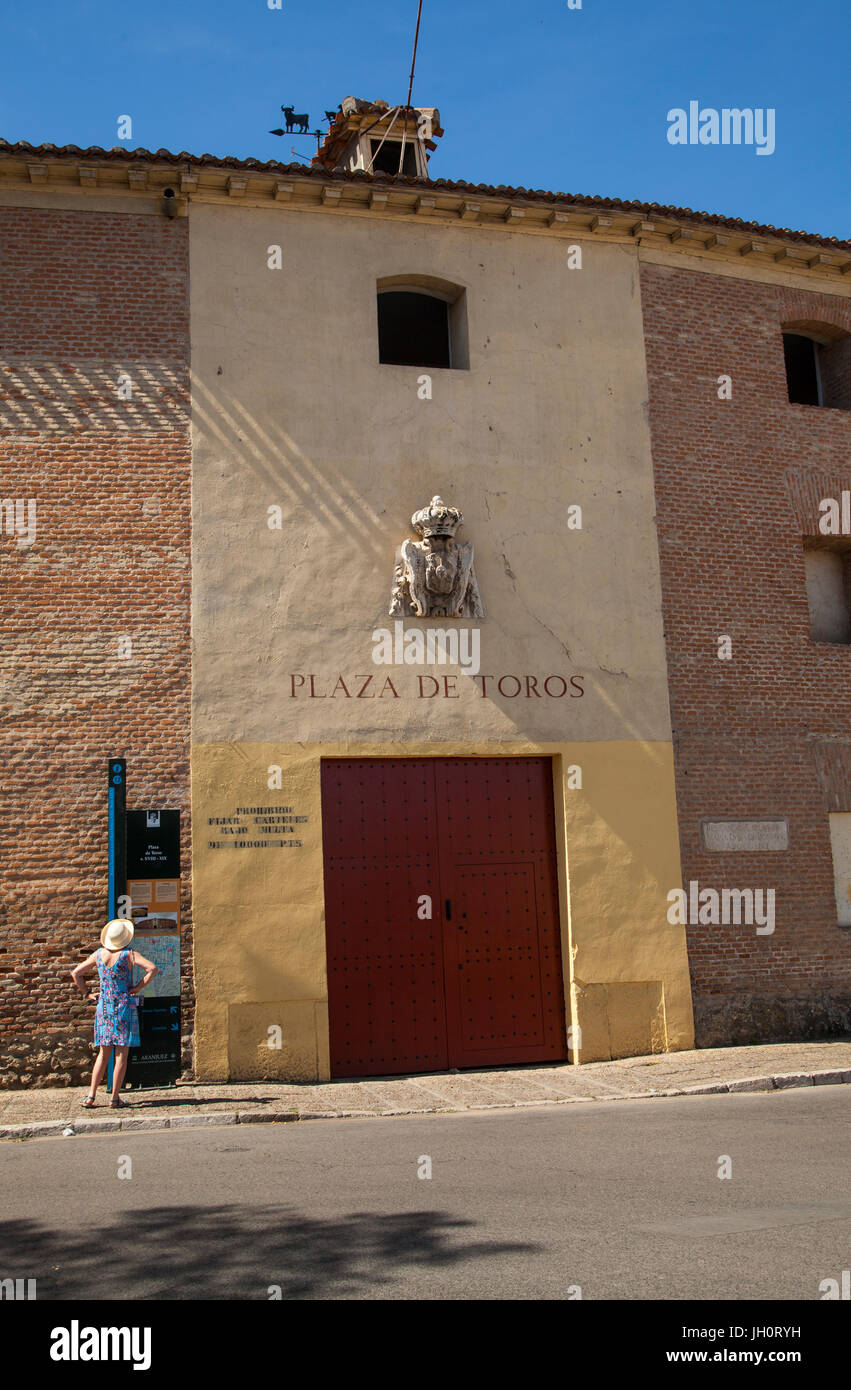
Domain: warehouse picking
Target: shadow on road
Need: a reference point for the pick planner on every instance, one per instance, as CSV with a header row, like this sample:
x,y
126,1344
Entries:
x,y
238,1253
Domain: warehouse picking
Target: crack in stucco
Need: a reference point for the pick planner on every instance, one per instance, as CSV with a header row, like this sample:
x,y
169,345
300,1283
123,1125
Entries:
x,y
513,577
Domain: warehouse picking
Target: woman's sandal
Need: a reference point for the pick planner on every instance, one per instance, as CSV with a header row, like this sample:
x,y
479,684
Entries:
x,y
88,1102
118,1103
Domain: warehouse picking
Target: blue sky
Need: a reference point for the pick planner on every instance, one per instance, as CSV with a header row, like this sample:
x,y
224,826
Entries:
x,y
534,95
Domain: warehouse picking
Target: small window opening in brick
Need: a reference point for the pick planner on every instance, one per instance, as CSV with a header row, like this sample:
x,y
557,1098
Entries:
x,y
840,844
802,374
386,159
818,365
828,577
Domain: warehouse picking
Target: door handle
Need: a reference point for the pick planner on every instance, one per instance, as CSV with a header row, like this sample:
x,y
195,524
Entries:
x,y
448,910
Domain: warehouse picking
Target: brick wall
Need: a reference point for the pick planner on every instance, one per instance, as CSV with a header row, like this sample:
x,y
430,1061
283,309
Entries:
x,y
87,299
768,733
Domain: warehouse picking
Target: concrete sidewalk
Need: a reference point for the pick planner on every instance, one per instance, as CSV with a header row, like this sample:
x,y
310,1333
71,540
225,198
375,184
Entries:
x,y
36,1114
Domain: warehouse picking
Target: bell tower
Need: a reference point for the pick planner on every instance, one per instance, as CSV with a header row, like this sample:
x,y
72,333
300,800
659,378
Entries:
x,y
378,138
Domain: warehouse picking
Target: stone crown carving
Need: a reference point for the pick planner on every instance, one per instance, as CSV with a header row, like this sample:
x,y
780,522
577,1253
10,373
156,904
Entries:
x,y
437,519
434,577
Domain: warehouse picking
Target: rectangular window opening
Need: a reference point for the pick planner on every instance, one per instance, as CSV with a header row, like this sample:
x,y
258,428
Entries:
x,y
802,373
386,159
828,578
840,844
423,325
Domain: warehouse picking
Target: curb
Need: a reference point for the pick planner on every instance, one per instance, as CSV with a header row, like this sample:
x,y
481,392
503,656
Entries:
x,y
46,1129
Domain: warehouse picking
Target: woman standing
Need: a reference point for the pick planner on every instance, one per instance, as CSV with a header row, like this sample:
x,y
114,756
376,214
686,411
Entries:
x,y
117,1018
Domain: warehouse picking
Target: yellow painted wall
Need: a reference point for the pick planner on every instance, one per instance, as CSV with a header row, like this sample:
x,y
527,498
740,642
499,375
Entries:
x,y
260,921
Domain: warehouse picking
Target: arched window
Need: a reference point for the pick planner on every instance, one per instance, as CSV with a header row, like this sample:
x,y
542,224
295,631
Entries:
x,y
818,364
422,322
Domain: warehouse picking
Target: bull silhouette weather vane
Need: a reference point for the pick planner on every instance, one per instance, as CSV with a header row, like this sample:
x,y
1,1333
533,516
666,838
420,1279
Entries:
x,y
299,125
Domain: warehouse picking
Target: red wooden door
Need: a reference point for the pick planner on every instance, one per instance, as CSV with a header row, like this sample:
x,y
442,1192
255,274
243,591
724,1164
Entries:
x,y
505,998
479,981
385,964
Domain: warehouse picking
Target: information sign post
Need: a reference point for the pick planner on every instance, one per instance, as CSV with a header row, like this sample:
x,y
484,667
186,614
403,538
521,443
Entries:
x,y
116,804
153,884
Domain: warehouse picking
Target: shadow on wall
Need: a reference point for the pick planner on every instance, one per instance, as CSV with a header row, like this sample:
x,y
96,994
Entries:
x,y
742,1020
230,1252
344,514
279,462
135,396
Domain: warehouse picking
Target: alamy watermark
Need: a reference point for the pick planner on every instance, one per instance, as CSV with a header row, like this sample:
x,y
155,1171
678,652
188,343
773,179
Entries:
x,y
19,1289
835,515
18,518
446,646
83,1343
837,1289
709,907
729,126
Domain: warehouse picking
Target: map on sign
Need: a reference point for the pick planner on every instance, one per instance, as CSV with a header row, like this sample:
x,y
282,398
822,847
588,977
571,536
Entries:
x,y
164,951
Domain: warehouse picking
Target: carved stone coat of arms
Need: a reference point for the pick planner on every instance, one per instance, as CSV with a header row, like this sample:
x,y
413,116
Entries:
x,y
434,576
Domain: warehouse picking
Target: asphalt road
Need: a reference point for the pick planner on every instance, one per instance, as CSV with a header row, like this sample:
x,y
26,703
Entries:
x,y
620,1199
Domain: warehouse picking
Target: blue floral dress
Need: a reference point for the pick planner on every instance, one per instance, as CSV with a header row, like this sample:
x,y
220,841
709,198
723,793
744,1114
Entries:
x,y
117,1017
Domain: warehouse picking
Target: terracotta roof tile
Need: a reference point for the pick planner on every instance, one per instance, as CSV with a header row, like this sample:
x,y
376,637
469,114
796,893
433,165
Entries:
x,y
23,149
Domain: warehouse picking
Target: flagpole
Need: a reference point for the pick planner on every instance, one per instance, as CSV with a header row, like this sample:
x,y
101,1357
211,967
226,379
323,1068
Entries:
x,y
410,85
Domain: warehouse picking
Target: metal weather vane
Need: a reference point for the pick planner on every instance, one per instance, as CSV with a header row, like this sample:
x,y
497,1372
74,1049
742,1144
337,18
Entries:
x,y
299,124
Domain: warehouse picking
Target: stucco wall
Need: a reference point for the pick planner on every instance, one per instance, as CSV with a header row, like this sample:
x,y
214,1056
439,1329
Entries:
x,y
292,408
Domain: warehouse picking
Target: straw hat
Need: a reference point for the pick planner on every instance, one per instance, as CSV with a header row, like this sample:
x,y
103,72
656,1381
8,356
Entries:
x,y
117,934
